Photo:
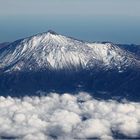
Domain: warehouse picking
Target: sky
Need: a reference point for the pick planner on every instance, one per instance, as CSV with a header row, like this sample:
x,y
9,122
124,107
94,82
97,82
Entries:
x,y
117,21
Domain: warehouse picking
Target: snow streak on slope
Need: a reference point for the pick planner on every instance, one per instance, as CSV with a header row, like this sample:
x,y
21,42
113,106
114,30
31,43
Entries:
x,y
53,51
67,117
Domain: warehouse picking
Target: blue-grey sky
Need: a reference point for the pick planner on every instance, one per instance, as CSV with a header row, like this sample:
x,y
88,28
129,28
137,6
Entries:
x,y
117,21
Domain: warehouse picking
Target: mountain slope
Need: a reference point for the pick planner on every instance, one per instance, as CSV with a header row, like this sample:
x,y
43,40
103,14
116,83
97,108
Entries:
x,y
52,62
52,51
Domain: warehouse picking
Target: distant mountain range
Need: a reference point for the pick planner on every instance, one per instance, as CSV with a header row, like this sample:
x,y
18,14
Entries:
x,y
52,62
135,49
3,44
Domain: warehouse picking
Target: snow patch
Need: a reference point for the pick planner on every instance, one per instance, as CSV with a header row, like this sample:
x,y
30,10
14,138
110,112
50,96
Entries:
x,y
54,51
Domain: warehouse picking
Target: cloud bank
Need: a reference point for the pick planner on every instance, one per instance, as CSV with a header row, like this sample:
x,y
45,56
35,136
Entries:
x,y
67,117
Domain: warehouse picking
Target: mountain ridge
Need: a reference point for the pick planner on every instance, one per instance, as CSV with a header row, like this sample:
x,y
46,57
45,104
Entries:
x,y
54,51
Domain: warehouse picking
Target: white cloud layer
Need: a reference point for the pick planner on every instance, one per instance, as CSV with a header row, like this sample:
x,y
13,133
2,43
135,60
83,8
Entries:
x,y
67,116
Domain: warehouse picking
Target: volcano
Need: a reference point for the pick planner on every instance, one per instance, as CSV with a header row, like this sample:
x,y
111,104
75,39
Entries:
x,y
53,62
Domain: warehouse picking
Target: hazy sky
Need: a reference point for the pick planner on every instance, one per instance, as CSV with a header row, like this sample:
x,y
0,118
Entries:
x,y
94,20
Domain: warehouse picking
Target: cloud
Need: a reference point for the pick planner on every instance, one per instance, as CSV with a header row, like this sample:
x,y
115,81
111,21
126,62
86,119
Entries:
x,y
67,117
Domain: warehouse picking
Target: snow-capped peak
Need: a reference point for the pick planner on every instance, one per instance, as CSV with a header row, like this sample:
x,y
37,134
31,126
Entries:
x,y
53,51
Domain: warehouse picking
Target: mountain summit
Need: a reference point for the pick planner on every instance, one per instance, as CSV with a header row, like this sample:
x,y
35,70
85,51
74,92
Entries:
x,y
53,51
52,32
